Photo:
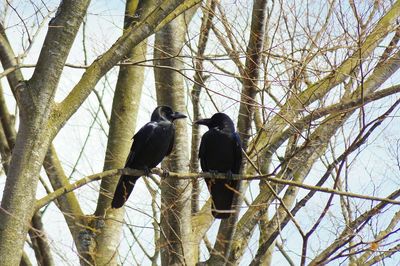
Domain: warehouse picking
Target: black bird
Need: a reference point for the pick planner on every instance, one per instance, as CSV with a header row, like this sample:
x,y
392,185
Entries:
x,y
220,151
150,145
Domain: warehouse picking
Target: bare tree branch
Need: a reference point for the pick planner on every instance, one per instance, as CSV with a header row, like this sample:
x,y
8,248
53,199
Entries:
x,y
163,173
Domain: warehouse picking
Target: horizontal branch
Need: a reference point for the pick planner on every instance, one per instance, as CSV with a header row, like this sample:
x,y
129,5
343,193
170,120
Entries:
x,y
165,174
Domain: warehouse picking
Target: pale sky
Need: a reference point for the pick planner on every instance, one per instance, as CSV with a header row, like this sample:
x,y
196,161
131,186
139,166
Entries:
x,y
373,172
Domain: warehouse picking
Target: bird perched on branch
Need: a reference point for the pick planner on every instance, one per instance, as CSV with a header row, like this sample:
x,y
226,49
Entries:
x,y
220,151
150,145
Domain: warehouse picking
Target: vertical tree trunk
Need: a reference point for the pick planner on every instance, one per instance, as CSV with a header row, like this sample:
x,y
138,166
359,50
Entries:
x,y
176,228
20,190
222,247
124,113
122,127
35,132
199,80
39,241
41,118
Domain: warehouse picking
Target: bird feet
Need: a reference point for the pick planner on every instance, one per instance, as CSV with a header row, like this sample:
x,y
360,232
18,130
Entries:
x,y
147,171
213,172
229,174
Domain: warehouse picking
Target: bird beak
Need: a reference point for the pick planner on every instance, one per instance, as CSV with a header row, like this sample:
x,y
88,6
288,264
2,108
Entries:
x,y
205,121
178,115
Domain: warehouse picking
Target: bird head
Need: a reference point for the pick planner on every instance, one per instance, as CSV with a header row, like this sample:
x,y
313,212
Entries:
x,y
165,113
218,120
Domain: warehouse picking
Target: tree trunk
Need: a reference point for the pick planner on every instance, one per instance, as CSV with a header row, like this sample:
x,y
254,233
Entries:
x,y
176,228
41,118
122,127
35,133
222,247
20,190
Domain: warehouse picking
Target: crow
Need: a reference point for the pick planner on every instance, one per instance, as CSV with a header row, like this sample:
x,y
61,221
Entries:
x,y
150,145
220,151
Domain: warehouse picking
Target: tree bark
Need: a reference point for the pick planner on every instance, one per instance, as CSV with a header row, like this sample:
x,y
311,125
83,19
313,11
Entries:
x,y
122,127
222,247
320,88
41,118
273,130
176,228
35,134
40,242
199,80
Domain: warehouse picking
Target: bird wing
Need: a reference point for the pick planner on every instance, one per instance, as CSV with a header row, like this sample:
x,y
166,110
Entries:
x,y
202,151
237,150
140,140
171,143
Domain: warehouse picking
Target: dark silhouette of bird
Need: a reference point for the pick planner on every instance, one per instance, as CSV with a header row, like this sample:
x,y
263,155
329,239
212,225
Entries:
x,y
220,151
150,145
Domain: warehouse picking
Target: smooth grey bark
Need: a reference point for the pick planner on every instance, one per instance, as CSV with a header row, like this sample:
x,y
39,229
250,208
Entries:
x,y
176,228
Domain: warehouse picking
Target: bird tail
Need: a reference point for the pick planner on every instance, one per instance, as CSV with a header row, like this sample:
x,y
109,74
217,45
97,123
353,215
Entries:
x,y
123,190
222,194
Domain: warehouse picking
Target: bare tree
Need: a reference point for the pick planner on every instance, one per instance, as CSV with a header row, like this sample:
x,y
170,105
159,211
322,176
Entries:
x,y
41,118
312,87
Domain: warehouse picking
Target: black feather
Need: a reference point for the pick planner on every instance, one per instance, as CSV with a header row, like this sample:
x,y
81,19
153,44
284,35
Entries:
x,y
220,151
150,145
